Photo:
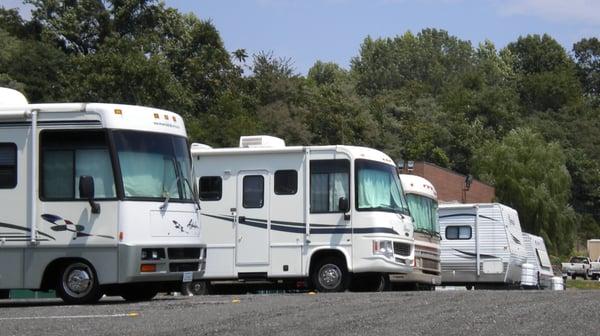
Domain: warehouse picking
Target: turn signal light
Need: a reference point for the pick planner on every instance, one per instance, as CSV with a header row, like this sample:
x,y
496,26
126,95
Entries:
x,y
148,268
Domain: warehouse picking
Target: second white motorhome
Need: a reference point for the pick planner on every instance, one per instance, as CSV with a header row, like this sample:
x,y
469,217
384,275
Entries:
x,y
323,213
422,202
482,245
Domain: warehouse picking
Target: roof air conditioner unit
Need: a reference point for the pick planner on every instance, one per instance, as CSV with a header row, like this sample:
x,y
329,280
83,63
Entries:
x,y
261,141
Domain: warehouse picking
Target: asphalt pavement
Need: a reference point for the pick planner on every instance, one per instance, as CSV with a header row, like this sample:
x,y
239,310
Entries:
x,y
571,312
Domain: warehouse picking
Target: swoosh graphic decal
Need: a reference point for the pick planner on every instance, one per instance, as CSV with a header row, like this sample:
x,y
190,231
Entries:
x,y
16,227
474,255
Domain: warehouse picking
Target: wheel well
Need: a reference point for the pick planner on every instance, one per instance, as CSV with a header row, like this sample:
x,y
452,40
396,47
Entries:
x,y
51,271
321,254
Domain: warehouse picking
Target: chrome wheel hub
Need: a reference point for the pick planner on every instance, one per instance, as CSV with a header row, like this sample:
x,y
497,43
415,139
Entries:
x,y
77,281
330,276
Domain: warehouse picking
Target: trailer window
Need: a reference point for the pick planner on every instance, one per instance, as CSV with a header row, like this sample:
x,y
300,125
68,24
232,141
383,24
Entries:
x,y
329,181
211,188
286,182
67,155
8,165
253,191
458,232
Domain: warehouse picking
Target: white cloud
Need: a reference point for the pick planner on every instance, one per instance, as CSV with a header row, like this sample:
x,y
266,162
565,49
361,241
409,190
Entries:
x,y
579,11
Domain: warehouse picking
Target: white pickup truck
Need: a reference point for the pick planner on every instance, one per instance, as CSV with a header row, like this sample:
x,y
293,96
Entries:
x,y
577,266
594,271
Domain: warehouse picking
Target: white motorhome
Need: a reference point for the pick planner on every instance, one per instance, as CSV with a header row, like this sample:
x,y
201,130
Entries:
x,y
537,255
482,245
95,199
422,202
326,213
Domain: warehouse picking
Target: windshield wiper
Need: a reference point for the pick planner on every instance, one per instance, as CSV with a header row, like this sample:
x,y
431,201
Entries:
x,y
196,201
168,197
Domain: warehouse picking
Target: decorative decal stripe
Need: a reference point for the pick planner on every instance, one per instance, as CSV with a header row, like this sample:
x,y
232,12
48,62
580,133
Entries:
x,y
468,215
474,255
52,122
61,224
300,228
20,228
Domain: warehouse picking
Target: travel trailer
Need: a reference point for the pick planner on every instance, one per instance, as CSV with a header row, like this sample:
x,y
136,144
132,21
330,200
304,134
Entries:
x,y
95,199
323,213
482,245
423,205
537,256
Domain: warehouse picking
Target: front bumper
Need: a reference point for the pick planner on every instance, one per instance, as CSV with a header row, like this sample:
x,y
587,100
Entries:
x,y
176,260
417,277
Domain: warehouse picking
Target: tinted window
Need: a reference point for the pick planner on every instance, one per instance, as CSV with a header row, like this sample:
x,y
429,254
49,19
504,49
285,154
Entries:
x,y
65,156
286,182
329,180
211,188
8,166
458,232
253,191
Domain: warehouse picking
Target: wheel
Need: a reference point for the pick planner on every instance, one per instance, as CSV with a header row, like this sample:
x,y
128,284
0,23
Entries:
x,y
379,283
585,276
573,276
196,288
469,287
330,275
77,283
139,293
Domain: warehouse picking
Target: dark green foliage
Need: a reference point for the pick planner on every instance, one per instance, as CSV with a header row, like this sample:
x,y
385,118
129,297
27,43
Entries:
x,y
525,118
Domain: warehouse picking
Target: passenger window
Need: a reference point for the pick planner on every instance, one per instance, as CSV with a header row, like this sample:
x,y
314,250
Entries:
x,y
8,165
253,191
67,155
329,181
286,182
211,188
458,232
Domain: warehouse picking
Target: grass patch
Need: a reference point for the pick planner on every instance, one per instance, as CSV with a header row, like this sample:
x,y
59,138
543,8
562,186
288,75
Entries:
x,y
583,284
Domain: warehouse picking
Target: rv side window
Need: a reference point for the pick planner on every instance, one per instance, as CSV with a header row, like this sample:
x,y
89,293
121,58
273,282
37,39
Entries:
x,y
211,188
253,191
286,182
458,232
8,165
67,155
329,181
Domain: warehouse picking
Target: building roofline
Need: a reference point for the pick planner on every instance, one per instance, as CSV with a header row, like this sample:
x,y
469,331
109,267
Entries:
x,y
455,173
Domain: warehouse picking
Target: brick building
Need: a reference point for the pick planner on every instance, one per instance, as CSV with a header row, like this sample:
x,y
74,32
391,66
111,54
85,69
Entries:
x,y
452,186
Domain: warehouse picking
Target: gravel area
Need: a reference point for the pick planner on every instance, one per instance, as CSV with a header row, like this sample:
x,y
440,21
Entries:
x,y
392,313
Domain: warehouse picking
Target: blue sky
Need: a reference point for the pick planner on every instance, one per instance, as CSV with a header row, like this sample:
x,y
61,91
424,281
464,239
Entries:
x,y
332,30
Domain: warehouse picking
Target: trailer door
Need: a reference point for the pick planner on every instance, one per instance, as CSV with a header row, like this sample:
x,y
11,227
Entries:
x,y
253,222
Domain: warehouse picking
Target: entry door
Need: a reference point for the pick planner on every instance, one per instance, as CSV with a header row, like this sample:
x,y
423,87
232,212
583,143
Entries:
x,y
252,234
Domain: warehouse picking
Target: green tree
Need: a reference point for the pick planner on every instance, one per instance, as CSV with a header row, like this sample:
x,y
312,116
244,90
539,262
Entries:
x,y
531,176
587,55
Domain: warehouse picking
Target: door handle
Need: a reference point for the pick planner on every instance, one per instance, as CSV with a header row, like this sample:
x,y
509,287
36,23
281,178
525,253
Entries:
x,y
241,219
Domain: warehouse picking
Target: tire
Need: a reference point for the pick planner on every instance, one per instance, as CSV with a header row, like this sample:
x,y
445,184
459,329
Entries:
x,y
330,275
77,283
139,293
585,276
196,288
573,276
379,283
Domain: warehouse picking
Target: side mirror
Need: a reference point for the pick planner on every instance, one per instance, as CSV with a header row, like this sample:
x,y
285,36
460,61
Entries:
x,y
86,191
343,204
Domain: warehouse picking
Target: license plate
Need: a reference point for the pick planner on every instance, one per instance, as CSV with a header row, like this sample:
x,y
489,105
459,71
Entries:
x,y
187,276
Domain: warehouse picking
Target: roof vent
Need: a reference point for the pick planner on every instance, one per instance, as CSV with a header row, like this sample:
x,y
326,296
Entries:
x,y
200,146
261,141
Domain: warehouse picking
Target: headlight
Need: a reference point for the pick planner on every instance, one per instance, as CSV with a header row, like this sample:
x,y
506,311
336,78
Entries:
x,y
152,254
383,247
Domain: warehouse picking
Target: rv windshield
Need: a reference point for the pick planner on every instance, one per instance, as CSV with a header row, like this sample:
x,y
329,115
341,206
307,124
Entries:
x,y
378,188
154,166
424,211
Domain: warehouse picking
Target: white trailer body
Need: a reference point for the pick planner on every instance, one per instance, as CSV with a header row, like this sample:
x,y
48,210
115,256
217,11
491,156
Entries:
x,y
423,205
537,255
481,244
272,212
142,224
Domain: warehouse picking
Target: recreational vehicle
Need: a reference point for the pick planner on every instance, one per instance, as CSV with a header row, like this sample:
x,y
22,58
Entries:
x,y
537,256
95,199
323,213
422,203
482,245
